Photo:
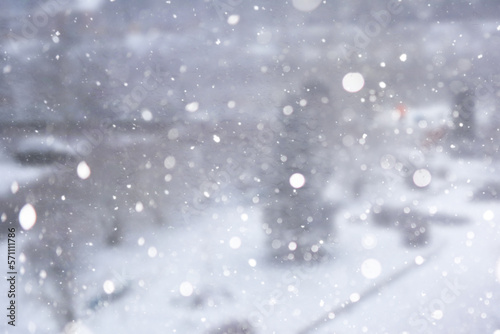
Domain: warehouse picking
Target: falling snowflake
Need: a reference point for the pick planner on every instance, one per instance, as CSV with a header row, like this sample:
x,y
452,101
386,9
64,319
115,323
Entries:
x,y
353,82
27,216
83,170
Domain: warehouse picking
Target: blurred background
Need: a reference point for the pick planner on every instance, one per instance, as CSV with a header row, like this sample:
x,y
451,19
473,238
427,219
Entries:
x,y
240,166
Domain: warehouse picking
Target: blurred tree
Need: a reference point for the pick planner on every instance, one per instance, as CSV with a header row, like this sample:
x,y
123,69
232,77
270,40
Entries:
x,y
297,217
463,134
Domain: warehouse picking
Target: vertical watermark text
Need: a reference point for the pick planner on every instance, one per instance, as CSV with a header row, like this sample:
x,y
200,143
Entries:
x,y
11,276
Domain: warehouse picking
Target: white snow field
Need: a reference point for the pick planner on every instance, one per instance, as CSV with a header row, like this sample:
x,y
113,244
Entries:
x,y
208,269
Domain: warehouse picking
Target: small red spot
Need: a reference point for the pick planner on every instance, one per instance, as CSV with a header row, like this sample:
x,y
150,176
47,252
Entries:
x,y
402,110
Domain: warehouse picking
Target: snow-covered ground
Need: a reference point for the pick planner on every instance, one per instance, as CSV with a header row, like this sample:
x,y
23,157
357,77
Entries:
x,y
196,275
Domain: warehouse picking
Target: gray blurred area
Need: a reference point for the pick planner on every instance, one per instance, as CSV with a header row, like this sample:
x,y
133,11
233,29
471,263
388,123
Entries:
x,y
179,108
